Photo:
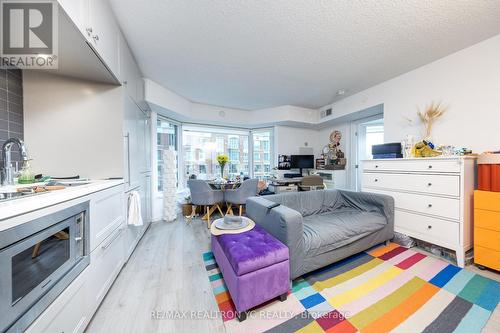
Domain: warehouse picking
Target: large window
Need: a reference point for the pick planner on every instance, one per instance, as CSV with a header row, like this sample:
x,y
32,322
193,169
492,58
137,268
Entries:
x,y
262,152
250,152
166,137
208,143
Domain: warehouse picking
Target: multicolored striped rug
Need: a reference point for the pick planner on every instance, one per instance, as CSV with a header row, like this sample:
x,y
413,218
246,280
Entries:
x,y
389,288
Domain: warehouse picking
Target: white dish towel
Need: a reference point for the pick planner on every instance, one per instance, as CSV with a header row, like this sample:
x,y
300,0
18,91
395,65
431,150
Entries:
x,y
134,209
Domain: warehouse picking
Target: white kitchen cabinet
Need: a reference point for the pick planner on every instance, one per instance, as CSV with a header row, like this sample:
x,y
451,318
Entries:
x,y
70,312
78,11
146,198
131,76
144,131
141,140
103,33
106,214
132,146
96,21
73,309
132,234
106,262
137,143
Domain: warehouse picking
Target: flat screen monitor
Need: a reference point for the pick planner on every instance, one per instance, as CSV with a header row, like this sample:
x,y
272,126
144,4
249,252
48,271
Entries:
x,y
302,162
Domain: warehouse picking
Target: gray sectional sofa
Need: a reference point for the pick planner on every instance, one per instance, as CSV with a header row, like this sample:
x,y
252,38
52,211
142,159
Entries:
x,y
322,227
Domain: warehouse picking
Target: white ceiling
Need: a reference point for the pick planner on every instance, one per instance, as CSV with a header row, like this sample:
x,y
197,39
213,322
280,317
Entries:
x,y
257,54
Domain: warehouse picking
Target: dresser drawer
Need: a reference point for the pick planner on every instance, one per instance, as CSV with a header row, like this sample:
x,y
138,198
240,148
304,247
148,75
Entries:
x,y
414,165
487,238
426,228
487,200
443,207
429,184
487,257
487,219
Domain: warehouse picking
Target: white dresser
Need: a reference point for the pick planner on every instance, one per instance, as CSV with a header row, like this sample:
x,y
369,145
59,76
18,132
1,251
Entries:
x,y
433,197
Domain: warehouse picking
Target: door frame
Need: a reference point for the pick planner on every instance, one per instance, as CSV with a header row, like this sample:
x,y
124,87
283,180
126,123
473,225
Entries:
x,y
357,136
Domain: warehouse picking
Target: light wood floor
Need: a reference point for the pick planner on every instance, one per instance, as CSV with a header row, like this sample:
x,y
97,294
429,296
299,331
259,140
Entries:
x,y
166,273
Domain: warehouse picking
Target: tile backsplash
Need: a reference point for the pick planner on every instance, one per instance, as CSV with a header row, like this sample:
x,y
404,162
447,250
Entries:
x,y
11,108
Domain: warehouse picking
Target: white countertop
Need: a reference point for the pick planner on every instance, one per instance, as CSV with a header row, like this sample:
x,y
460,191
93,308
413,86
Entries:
x,y
18,206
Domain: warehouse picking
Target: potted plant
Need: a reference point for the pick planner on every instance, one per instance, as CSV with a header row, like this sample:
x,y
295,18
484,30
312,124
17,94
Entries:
x,y
187,207
222,159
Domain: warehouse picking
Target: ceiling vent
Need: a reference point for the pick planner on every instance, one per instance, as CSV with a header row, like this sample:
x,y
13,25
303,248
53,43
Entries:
x,y
326,113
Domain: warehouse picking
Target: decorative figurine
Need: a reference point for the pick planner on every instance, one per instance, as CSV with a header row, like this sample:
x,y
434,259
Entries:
x,y
334,156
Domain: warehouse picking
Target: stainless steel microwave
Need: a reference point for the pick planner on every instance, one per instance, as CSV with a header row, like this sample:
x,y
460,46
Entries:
x,y
38,260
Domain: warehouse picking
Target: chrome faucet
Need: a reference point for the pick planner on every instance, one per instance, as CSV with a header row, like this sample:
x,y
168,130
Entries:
x,y
8,172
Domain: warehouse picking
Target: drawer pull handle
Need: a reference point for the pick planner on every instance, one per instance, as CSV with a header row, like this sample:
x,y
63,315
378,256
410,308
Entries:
x,y
46,283
376,166
429,227
430,166
429,184
104,247
430,205
376,180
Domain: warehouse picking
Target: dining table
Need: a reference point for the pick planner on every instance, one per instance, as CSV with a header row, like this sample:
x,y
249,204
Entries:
x,y
230,185
223,186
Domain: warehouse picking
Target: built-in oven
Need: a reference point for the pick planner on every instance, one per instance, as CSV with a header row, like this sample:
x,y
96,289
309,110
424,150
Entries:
x,y
38,260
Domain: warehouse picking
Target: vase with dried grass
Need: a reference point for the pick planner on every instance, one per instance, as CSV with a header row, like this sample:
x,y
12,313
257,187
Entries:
x,y
429,116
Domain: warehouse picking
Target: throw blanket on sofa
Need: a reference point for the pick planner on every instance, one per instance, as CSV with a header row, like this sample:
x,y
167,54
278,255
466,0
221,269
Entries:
x,y
321,227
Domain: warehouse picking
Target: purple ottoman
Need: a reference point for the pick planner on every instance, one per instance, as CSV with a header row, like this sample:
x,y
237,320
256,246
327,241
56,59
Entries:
x,y
255,267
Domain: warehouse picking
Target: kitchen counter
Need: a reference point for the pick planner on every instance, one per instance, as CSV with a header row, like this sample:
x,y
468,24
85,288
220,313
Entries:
x,y
23,205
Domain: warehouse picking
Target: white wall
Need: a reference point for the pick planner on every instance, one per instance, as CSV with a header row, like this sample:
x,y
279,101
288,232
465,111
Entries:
x,y
468,81
181,109
288,140
168,101
77,109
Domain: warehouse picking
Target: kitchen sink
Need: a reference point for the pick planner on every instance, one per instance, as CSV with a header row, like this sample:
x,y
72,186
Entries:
x,y
73,183
4,196
12,195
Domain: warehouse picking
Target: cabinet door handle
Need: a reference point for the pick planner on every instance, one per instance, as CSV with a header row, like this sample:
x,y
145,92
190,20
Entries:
x,y
128,157
104,247
46,283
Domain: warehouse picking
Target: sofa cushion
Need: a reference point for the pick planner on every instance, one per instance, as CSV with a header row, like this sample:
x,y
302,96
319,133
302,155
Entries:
x,y
311,202
306,203
331,230
251,250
